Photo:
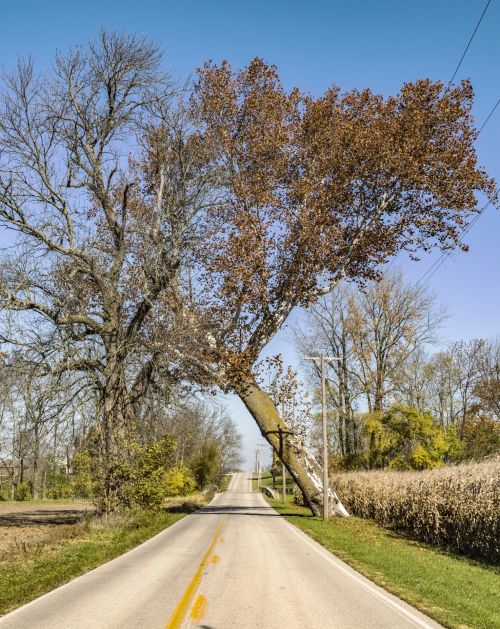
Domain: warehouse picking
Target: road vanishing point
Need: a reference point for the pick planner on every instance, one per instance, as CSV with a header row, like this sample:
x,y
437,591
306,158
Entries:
x,y
234,564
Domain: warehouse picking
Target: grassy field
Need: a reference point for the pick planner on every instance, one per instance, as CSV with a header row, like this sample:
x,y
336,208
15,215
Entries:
x,y
453,590
6,505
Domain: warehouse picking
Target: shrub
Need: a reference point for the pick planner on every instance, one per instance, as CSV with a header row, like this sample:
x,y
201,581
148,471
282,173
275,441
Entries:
x,y
141,476
179,481
404,438
453,506
148,491
206,465
82,481
58,485
22,492
481,438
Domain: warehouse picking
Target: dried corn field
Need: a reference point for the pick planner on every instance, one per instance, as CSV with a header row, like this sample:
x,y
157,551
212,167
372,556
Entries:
x,y
453,506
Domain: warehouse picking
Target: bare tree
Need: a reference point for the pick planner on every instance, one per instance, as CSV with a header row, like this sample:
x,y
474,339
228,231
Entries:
x,y
412,380
374,333
99,250
487,388
389,321
328,327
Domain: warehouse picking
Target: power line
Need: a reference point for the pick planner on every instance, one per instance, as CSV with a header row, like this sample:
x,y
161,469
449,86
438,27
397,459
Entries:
x,y
446,254
468,44
488,117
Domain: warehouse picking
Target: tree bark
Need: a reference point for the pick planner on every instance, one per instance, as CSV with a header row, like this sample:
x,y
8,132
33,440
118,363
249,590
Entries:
x,y
289,448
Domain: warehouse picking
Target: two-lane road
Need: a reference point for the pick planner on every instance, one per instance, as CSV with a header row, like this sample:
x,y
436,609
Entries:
x,y
234,564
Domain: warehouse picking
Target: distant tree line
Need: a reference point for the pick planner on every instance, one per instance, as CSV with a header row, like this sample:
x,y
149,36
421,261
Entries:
x,y
391,403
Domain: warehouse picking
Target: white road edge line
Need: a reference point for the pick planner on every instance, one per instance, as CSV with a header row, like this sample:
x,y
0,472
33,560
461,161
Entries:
x,y
336,562
350,572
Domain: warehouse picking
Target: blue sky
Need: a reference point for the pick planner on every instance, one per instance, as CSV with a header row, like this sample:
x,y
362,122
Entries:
x,y
314,44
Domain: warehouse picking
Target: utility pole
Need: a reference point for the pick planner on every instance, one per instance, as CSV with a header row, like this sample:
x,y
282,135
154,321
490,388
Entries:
x,y
283,468
259,465
322,361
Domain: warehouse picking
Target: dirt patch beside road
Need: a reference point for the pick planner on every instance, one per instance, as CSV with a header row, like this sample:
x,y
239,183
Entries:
x,y
26,524
13,538
43,516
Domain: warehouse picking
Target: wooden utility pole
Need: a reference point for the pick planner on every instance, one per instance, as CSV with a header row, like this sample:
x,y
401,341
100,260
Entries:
x,y
326,483
322,361
283,472
283,468
259,465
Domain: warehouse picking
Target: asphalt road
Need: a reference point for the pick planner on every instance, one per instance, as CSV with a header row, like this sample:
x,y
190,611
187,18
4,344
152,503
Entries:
x,y
234,564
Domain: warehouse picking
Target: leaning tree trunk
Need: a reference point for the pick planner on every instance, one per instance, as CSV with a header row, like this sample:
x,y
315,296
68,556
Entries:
x,y
290,448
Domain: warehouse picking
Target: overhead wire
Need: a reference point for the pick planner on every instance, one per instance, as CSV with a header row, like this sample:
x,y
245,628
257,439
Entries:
x,y
468,44
488,117
446,254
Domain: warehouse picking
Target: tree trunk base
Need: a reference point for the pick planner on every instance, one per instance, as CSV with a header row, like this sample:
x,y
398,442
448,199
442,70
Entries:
x,y
289,448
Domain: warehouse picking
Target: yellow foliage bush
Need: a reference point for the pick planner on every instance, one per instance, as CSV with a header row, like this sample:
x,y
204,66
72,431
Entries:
x,y
179,481
456,506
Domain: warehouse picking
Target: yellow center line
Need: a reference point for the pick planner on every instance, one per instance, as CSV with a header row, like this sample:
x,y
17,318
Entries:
x,y
182,608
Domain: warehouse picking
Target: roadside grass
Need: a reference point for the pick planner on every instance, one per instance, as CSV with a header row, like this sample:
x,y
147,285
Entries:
x,y
224,482
454,590
266,480
31,570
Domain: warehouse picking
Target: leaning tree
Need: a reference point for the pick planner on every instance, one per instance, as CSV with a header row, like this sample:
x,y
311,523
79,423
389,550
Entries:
x,y
314,191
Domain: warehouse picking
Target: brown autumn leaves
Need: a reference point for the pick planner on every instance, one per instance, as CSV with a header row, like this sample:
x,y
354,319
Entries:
x,y
317,189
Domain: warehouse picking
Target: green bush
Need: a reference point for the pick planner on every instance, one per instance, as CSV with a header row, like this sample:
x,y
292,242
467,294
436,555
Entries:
x,y
206,465
82,482
143,476
149,490
58,485
481,438
22,492
404,438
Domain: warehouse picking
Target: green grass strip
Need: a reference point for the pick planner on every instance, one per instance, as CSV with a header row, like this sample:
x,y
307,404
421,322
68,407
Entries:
x,y
22,581
455,591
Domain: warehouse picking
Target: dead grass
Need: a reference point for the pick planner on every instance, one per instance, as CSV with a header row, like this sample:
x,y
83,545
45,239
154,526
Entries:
x,y
456,507
27,543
